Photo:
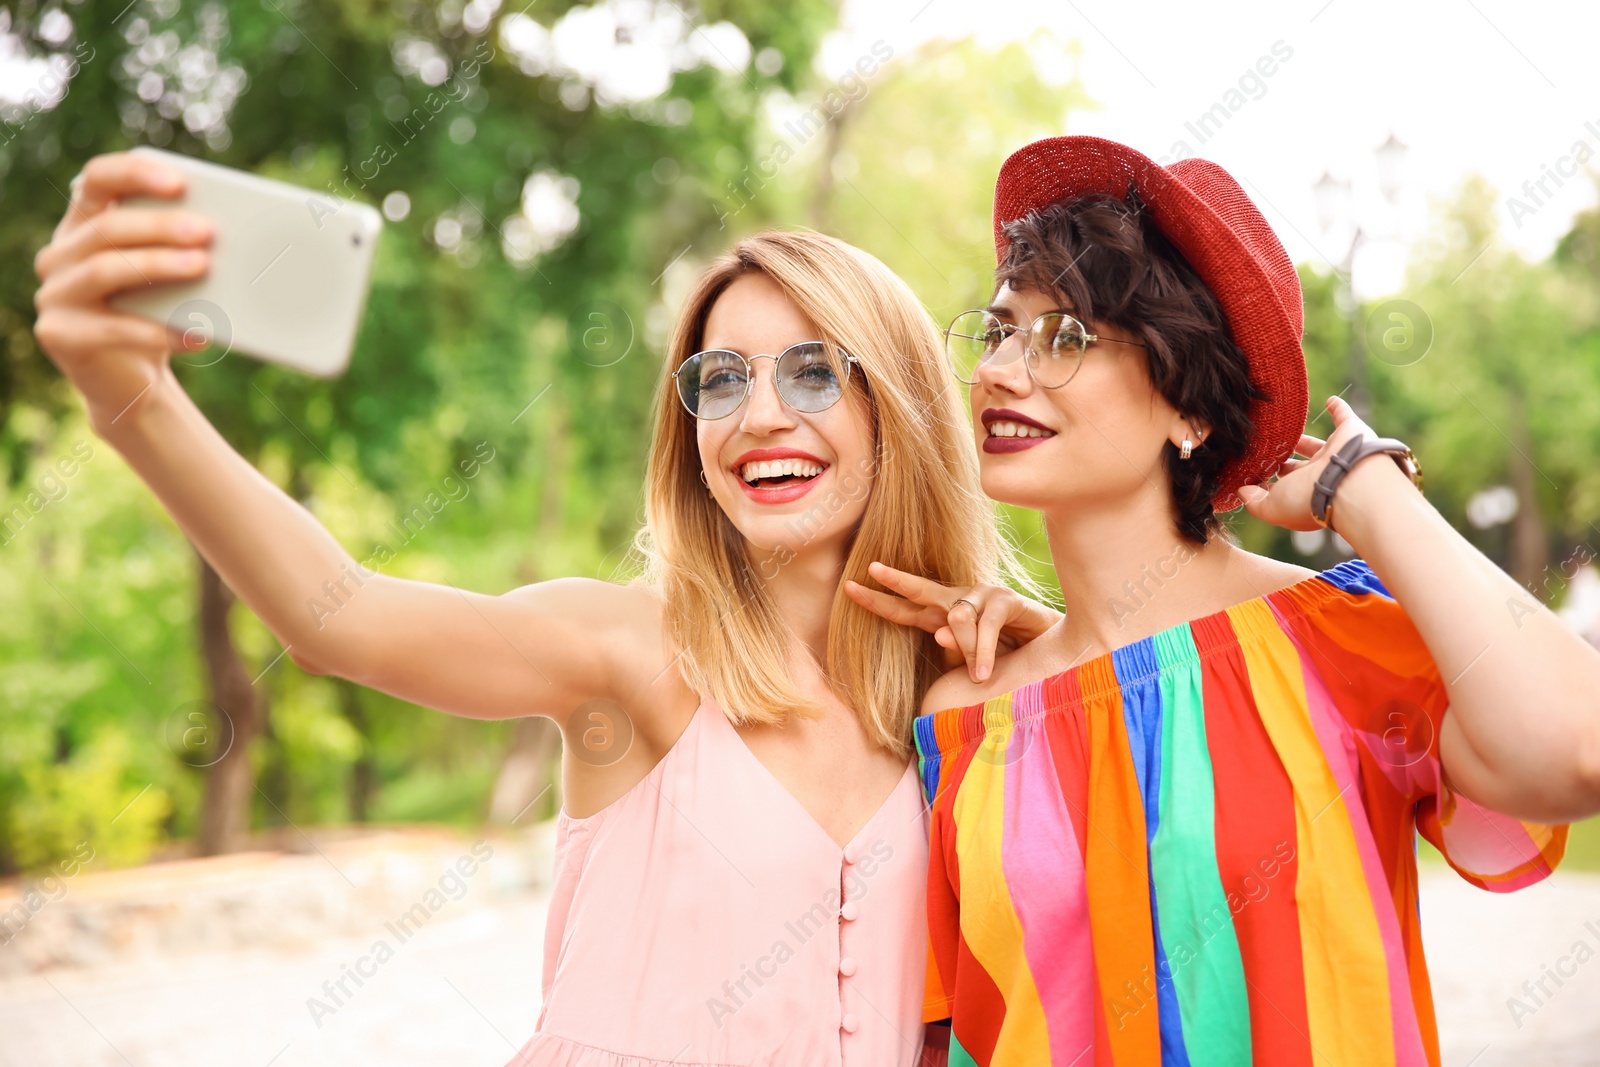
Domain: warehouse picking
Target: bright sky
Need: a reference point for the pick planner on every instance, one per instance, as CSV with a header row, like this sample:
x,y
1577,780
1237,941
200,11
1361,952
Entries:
x,y
1493,86
1505,89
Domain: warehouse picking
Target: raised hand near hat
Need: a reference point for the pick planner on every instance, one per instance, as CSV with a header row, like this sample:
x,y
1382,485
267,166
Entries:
x,y
1287,500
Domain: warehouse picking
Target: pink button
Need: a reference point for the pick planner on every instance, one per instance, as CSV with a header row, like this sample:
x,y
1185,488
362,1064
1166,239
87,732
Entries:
x,y
851,853
849,910
848,1024
847,966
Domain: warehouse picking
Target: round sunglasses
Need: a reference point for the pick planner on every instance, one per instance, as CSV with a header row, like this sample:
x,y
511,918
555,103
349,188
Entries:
x,y
810,377
1055,343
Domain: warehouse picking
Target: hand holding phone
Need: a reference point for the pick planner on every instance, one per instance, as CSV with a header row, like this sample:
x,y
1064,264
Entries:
x,y
288,273
98,249
130,236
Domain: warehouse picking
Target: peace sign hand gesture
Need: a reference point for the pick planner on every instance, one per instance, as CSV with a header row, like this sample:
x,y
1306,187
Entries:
x,y
972,625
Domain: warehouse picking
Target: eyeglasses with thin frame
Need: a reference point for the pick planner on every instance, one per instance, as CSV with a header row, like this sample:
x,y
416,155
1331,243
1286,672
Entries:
x,y
1055,345
810,377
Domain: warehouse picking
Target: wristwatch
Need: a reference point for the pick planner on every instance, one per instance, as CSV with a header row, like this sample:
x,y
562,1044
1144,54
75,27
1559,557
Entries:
x,y
1350,453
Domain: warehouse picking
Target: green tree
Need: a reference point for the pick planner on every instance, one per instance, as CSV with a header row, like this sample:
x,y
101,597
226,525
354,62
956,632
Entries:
x,y
1508,393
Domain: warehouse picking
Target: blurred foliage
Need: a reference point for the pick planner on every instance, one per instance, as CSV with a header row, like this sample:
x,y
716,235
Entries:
x,y
546,363
922,201
86,801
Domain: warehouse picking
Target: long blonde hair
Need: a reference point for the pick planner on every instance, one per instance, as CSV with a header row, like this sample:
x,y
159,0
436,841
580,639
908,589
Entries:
x,y
925,513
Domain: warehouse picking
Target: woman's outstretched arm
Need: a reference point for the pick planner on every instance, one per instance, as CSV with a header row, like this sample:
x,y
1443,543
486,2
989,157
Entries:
x,y
542,649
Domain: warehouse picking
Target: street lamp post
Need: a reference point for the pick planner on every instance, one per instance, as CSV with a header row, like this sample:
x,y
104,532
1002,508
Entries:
x,y
1334,205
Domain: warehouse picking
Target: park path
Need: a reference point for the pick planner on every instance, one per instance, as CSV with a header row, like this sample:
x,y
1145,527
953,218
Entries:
x,y
237,980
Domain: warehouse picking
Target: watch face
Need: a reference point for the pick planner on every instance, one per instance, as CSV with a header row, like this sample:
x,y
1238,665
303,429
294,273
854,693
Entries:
x,y
1407,461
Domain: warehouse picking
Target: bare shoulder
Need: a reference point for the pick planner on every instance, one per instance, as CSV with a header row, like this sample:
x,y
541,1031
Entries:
x,y
622,623
639,702
1037,659
1263,574
953,689
956,688
590,599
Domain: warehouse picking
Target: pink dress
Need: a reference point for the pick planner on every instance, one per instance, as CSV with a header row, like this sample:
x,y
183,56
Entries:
x,y
705,918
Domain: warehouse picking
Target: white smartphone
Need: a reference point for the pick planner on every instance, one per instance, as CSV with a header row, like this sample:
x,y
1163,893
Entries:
x,y
289,269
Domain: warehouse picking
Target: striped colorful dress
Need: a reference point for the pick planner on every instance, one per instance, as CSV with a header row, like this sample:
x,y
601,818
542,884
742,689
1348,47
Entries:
x,y
1200,848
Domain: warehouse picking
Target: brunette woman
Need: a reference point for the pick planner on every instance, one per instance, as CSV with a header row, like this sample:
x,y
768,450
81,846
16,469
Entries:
x,y
1180,827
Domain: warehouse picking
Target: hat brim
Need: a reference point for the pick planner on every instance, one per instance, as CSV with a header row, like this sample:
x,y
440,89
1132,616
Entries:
x,y
1240,259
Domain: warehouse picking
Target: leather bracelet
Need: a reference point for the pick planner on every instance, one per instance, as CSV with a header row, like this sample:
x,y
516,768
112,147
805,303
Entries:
x,y
1350,453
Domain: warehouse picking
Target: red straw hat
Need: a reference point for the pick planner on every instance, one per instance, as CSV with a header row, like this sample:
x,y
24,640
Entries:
x,y
1208,218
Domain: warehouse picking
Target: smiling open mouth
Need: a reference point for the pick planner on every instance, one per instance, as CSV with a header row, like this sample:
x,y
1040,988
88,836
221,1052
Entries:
x,y
777,473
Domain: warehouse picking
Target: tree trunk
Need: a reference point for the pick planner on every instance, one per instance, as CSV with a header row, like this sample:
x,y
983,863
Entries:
x,y
527,771
225,815
1530,545
552,493
820,211
363,776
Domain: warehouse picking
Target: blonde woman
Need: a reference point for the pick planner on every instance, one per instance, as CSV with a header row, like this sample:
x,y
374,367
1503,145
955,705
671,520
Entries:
x,y
740,873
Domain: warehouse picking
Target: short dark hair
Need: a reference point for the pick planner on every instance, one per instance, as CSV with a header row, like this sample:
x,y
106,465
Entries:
x,y
1109,262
